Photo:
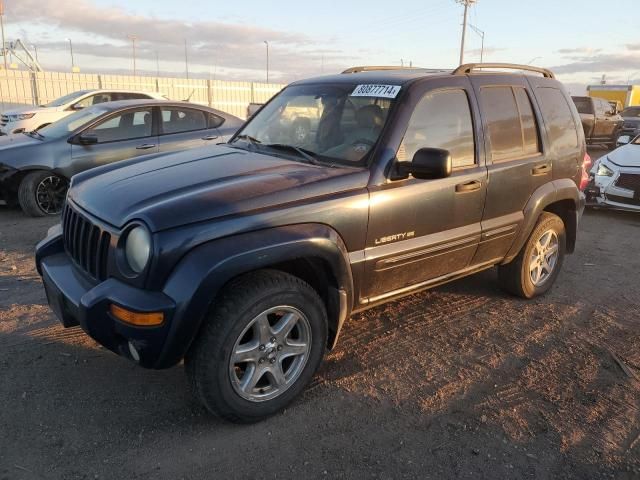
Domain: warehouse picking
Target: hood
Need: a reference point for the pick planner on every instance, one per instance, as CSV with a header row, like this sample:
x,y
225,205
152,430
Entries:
x,y
202,184
626,156
29,109
631,120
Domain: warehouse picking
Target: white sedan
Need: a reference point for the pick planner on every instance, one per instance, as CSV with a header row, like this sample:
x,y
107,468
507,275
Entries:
x,y
29,118
615,177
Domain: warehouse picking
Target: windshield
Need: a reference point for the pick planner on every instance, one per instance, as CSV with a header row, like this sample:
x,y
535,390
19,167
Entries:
x,y
72,122
631,112
58,102
583,104
329,123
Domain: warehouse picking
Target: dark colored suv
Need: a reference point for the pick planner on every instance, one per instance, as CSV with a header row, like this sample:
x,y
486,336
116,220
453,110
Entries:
x,y
246,259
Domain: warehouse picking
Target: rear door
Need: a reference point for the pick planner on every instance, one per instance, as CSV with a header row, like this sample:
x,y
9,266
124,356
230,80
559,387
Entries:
x,y
420,230
182,128
517,164
123,135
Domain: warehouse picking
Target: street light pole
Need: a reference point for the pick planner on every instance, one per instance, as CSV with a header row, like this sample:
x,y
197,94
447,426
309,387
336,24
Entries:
x,y
35,51
467,4
133,39
4,50
73,64
267,44
186,59
481,33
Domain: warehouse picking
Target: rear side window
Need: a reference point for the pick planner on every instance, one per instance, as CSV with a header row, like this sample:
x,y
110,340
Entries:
x,y
583,105
442,119
511,124
561,125
178,120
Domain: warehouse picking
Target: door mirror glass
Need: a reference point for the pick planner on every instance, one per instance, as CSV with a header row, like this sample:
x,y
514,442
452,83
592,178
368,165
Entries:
x,y
428,164
623,140
77,106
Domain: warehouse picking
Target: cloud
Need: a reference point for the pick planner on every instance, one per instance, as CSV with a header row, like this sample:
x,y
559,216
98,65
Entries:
x,y
235,46
603,63
633,46
579,50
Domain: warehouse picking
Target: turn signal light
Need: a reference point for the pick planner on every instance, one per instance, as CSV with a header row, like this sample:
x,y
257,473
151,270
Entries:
x,y
135,318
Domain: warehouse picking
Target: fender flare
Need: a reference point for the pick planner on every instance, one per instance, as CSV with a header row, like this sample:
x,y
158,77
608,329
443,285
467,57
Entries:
x,y
203,272
545,195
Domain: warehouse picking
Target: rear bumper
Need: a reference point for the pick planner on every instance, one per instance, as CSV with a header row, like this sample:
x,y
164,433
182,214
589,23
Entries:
x,y
78,300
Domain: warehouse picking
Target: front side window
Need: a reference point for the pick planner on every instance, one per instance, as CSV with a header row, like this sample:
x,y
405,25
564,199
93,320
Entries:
x,y
511,124
127,125
583,104
442,119
179,120
72,122
338,123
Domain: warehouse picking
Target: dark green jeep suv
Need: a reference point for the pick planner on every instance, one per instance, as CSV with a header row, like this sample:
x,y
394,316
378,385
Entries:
x,y
245,259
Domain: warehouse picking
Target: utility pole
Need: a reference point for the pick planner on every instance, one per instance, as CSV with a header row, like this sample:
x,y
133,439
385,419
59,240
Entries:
x,y
267,44
467,4
133,39
73,63
186,59
481,33
4,49
157,64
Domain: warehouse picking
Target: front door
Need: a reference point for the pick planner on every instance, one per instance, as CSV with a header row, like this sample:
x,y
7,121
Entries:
x,y
121,136
420,230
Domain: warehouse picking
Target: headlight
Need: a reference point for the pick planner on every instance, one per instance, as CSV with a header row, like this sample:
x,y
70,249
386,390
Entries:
x,y
604,171
138,248
21,116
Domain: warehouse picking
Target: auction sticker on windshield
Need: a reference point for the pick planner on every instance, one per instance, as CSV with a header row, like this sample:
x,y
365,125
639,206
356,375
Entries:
x,y
380,91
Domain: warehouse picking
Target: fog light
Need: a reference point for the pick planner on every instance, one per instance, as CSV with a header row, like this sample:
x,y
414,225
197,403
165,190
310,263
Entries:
x,y
134,318
134,353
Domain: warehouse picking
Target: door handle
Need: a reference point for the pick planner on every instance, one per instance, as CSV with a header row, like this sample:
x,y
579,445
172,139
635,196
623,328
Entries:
x,y
541,169
146,146
210,137
468,187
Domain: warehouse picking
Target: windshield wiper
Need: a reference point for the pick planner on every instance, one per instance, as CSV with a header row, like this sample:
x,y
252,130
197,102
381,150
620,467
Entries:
x,y
306,154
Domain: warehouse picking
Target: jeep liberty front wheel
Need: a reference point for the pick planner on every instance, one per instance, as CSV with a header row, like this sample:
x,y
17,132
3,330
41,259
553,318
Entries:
x,y
260,346
538,264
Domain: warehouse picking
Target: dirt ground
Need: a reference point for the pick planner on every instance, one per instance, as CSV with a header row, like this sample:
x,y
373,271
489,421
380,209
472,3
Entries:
x,y
459,382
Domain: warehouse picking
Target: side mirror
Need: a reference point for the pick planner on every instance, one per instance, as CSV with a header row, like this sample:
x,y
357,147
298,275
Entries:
x,y
87,139
77,106
623,140
428,164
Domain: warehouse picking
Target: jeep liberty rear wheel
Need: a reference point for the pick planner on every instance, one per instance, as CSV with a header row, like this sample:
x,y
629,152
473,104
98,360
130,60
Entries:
x,y
538,264
261,344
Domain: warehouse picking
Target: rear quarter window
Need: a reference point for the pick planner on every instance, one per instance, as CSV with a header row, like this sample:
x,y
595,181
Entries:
x,y
558,118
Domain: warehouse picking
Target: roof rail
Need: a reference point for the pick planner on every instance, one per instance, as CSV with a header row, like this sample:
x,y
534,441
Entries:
x,y
469,68
373,68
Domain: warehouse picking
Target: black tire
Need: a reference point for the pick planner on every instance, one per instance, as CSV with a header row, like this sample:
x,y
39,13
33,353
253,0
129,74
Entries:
x,y
38,204
515,277
613,144
208,363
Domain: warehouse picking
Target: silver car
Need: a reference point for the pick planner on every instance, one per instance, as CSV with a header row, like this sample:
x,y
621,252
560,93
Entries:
x,y
35,167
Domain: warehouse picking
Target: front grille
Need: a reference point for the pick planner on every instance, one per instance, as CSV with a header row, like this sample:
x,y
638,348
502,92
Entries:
x,y
629,181
627,201
86,243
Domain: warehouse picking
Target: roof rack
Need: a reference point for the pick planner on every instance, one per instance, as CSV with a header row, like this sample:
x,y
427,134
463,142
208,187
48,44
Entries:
x,y
469,68
373,68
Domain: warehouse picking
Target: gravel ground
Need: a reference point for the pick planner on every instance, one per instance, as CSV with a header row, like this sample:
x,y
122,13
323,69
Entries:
x,y
459,382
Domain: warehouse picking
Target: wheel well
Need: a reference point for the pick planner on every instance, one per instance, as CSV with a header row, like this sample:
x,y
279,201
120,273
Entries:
x,y
566,210
317,273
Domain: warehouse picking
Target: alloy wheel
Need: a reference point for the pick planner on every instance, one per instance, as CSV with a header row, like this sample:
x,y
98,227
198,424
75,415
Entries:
x,y
544,258
270,354
50,194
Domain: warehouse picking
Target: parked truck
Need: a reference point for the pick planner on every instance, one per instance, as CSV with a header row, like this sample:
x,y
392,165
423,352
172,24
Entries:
x,y
600,121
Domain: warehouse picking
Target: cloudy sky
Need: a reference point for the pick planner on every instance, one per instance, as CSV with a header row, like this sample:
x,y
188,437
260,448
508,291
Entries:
x,y
580,39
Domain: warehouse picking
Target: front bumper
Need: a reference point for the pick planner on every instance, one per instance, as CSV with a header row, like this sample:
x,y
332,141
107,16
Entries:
x,y
8,183
608,195
79,300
